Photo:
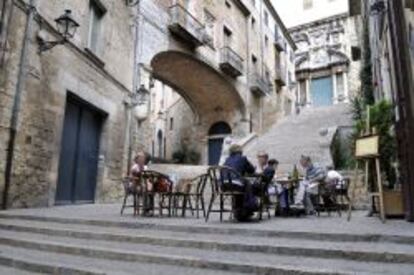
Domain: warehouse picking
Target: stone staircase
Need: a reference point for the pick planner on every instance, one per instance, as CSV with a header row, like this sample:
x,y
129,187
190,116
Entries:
x,y
101,242
311,133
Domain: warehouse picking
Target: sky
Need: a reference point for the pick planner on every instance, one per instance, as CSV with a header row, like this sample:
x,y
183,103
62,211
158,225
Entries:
x,y
293,14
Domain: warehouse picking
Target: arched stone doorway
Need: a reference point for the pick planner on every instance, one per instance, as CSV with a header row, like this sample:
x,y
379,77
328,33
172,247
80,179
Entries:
x,y
216,135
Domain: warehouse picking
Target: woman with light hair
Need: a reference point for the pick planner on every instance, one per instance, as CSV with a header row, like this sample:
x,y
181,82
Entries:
x,y
139,165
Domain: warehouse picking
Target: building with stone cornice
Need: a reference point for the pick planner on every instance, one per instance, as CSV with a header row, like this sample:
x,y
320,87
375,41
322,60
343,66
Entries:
x,y
327,59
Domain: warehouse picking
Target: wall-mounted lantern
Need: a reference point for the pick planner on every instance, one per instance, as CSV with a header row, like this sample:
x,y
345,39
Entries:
x,y
140,103
66,27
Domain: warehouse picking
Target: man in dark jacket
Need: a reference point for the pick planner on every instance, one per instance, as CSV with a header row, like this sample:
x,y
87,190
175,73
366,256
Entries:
x,y
246,205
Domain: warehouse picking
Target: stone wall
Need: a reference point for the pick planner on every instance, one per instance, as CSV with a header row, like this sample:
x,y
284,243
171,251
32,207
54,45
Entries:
x,y
50,77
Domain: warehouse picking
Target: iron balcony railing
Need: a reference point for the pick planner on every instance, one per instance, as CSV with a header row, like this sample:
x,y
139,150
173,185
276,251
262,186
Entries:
x,y
185,25
230,62
259,85
281,74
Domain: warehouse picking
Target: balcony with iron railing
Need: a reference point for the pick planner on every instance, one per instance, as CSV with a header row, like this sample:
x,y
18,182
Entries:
x,y
259,85
184,25
281,75
230,62
280,43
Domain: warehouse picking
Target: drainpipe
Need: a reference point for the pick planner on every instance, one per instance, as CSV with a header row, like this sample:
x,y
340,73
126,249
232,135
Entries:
x,y
16,103
262,65
136,80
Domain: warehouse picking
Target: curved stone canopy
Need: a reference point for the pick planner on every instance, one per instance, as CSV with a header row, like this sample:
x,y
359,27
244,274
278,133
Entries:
x,y
204,88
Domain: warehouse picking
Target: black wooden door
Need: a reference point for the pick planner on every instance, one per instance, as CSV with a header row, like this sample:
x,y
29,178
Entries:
x,y
78,164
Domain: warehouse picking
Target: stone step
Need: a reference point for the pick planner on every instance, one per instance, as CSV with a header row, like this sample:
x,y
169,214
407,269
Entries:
x,y
43,262
300,134
359,251
245,262
5,269
185,226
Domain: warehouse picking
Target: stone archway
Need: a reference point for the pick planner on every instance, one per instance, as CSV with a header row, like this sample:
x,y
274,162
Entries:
x,y
202,86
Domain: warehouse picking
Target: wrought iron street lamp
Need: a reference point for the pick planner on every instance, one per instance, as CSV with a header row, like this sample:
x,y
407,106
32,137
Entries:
x,y
66,27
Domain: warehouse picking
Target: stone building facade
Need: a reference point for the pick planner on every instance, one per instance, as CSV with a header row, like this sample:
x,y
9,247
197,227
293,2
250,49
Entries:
x,y
69,144
390,26
326,69
230,71
68,114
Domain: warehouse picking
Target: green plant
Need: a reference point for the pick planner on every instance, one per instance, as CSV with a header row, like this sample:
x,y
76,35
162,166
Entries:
x,y
178,156
382,119
186,156
367,89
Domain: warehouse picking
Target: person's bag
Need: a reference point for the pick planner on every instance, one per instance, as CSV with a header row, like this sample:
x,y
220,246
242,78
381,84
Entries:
x,y
162,185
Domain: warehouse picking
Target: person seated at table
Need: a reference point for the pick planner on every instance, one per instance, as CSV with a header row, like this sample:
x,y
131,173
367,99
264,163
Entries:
x,y
243,206
334,180
139,165
314,177
267,169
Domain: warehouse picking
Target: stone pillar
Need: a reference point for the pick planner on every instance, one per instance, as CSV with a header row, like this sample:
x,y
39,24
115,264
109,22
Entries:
x,y
334,88
346,92
308,96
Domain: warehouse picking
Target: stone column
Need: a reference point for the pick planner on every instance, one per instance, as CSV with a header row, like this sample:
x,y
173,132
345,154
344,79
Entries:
x,y
334,87
308,96
346,92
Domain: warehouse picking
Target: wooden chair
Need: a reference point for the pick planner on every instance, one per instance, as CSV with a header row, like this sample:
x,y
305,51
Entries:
x,y
195,194
219,177
161,189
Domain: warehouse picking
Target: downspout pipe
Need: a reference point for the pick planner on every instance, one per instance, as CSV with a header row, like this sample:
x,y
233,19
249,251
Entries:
x,y
135,83
21,77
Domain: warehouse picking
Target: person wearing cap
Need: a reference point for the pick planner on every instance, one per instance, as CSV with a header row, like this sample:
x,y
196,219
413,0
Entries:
x,y
238,162
246,205
314,176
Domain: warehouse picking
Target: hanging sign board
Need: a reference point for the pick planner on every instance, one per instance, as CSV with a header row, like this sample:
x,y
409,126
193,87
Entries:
x,y
367,147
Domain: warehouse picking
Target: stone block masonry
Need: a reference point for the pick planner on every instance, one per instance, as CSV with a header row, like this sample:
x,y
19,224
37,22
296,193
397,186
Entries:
x,y
50,78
